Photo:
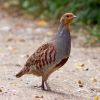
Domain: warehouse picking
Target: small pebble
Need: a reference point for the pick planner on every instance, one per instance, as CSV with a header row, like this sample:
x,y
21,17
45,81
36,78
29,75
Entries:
x,y
10,39
86,69
0,90
27,56
22,40
94,80
80,83
18,65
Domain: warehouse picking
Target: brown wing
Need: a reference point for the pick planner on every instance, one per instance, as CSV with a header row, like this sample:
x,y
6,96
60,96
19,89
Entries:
x,y
44,55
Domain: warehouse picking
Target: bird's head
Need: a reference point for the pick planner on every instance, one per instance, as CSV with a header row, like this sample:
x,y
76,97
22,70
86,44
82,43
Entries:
x,y
67,18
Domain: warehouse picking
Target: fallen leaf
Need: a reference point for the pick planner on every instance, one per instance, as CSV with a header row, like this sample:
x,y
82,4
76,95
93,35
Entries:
x,y
9,39
39,96
94,80
14,50
79,65
42,22
96,98
81,83
0,90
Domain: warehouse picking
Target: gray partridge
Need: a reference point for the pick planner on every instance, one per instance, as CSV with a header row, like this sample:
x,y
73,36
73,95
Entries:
x,y
50,56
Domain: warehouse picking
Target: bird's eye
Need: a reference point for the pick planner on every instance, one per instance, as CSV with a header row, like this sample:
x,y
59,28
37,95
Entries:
x,y
67,16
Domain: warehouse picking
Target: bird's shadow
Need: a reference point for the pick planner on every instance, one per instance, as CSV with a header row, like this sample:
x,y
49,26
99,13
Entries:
x,y
56,92
68,96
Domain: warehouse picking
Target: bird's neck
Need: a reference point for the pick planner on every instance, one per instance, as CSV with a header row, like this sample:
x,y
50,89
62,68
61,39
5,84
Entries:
x,y
63,30
63,40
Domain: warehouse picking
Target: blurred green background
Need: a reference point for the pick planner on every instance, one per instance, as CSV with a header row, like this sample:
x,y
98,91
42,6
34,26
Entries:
x,y
87,11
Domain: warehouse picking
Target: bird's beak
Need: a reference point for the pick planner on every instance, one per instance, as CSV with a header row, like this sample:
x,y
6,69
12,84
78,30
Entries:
x,y
75,16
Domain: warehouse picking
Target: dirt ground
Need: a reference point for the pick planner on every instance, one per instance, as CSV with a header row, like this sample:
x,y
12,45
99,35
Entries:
x,y
78,79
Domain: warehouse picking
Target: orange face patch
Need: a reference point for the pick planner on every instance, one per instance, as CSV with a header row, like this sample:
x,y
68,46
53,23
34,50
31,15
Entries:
x,y
67,18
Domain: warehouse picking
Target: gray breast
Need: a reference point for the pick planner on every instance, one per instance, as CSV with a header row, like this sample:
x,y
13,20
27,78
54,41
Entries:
x,y
62,43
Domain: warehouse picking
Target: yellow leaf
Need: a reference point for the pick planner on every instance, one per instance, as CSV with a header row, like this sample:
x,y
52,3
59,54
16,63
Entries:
x,y
96,98
79,65
14,50
42,22
13,84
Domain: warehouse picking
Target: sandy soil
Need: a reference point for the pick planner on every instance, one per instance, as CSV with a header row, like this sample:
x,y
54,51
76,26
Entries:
x,y
78,79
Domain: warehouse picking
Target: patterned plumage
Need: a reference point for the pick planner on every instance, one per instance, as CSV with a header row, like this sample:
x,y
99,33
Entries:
x,y
52,55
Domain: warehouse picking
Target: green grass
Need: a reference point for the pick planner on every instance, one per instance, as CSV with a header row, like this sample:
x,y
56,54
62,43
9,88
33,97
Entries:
x,y
87,11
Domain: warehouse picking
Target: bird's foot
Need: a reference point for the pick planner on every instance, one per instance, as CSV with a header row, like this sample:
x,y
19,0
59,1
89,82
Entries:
x,y
48,89
42,87
47,86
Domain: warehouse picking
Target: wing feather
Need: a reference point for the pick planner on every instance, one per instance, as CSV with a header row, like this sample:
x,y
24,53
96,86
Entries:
x,y
44,56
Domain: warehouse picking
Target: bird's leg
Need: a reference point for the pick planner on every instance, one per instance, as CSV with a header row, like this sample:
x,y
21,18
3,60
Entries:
x,y
48,87
45,85
42,86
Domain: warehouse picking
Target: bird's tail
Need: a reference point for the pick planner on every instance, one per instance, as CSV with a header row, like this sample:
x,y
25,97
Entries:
x,y
22,72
